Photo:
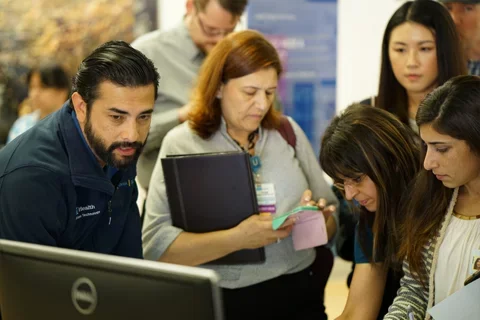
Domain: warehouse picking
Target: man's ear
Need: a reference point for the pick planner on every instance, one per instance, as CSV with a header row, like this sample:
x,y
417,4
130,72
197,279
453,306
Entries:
x,y
80,107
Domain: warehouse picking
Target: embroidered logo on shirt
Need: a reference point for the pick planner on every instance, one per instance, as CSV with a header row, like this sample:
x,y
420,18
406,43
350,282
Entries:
x,y
86,211
128,183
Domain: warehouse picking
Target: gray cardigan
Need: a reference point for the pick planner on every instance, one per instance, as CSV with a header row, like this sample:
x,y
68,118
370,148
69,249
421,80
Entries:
x,y
178,61
291,171
411,292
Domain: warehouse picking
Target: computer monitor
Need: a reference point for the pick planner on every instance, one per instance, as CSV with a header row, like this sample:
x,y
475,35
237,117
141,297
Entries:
x,y
41,282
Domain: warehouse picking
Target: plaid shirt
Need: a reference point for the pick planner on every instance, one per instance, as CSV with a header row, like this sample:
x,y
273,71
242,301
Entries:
x,y
22,124
474,67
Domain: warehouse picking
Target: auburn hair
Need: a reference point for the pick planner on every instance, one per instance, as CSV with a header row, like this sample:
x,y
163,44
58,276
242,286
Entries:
x,y
237,55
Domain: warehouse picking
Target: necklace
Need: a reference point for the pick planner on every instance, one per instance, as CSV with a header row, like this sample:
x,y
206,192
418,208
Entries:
x,y
251,141
463,217
255,162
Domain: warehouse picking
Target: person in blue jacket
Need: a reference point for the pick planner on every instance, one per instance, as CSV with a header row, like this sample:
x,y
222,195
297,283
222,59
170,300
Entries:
x,y
70,180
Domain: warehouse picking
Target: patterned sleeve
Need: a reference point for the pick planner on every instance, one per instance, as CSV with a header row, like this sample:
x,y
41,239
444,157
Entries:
x,y
411,293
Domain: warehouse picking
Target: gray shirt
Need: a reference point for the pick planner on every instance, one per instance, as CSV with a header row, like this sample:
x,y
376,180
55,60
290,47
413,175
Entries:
x,y
291,171
178,61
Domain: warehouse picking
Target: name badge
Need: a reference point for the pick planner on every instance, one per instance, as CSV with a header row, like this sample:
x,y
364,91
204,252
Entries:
x,y
475,261
266,197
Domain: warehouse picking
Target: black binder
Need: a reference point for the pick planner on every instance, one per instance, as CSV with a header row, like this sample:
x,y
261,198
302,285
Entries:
x,y
212,192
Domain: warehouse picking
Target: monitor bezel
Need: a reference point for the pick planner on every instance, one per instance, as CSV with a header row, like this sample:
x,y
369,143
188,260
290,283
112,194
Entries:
x,y
122,265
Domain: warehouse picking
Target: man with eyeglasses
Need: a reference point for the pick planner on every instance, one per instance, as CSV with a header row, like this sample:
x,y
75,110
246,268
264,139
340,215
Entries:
x,y
178,54
466,15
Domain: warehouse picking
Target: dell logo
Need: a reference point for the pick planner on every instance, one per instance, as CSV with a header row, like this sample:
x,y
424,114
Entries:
x,y
84,296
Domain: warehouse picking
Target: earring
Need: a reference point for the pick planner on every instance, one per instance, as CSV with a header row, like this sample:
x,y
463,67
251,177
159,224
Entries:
x,y
219,92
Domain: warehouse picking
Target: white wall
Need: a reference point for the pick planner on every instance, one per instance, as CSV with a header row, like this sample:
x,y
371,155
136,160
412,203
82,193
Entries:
x,y
170,13
360,29
361,24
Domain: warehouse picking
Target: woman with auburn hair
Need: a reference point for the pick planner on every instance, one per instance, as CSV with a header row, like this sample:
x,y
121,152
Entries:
x,y
441,233
232,111
372,157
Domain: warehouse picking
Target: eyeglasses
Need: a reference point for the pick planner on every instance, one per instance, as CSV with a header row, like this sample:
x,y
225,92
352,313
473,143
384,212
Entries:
x,y
355,182
212,32
209,31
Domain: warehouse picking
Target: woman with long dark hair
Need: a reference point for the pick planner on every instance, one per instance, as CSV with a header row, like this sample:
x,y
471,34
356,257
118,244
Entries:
x,y
372,157
442,227
421,49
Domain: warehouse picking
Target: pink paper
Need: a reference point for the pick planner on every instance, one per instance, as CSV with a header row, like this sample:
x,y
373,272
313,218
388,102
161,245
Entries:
x,y
309,230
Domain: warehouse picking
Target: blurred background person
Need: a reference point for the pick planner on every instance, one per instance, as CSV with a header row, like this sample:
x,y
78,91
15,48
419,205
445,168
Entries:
x,y
178,53
12,93
466,15
48,88
232,111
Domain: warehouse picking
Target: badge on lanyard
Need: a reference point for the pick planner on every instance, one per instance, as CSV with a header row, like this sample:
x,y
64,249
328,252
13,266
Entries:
x,y
475,261
255,163
266,197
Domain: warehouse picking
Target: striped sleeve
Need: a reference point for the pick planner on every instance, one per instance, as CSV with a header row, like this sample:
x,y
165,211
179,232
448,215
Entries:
x,y
411,293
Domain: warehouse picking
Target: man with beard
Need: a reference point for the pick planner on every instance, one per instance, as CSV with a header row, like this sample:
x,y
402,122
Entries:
x,y
179,52
70,180
466,15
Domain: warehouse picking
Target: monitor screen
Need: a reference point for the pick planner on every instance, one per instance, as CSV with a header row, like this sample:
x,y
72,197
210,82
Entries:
x,y
40,282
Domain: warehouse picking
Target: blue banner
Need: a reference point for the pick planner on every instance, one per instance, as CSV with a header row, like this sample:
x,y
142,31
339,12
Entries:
x,y
305,35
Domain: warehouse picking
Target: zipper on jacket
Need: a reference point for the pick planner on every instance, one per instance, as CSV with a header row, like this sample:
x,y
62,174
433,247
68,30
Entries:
x,y
110,211
110,207
115,181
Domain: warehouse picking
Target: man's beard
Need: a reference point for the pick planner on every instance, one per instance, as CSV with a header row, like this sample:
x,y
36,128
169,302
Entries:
x,y
106,154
